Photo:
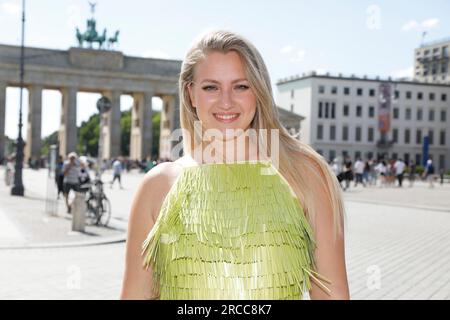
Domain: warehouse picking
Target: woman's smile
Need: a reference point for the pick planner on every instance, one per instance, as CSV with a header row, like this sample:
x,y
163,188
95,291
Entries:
x,y
226,117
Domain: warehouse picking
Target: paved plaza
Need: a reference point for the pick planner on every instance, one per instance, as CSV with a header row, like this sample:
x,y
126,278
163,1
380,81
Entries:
x,y
397,244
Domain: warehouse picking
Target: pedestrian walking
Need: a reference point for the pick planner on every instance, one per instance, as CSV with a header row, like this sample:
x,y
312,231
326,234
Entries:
x,y
399,167
59,176
117,172
70,182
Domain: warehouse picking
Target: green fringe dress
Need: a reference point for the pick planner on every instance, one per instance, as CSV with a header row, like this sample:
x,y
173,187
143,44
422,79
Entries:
x,y
231,231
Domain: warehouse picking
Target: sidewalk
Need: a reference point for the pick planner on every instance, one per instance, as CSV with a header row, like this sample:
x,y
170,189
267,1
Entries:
x,y
25,224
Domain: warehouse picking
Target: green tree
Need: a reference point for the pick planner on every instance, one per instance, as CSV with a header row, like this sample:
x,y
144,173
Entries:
x,y
88,135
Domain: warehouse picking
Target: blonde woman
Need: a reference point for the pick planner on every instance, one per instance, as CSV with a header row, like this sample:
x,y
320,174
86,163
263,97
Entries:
x,y
267,225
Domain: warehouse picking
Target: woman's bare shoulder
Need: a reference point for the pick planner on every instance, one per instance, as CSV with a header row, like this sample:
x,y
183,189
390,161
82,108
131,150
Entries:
x,y
158,181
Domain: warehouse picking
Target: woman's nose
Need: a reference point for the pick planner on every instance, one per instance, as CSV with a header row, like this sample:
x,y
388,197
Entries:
x,y
226,98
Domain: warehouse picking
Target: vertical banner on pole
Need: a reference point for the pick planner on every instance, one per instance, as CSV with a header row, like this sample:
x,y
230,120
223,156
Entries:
x,y
425,150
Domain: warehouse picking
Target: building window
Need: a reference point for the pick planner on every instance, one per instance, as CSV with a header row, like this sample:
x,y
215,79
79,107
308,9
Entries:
x,y
419,95
359,92
408,95
431,96
346,110
443,97
407,136
320,110
430,137
319,132
346,91
370,135
430,115
334,90
326,110
333,110
443,115
321,89
408,114
442,138
418,136
358,134
359,111
418,158
395,113
397,94
441,161
371,112
345,133
419,114
332,132
372,92
406,158
395,135
332,155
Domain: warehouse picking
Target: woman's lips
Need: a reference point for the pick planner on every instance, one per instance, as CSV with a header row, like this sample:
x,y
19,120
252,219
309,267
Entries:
x,y
226,117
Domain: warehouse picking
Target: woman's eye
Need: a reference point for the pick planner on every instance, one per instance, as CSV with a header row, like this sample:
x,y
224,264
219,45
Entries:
x,y
209,88
242,87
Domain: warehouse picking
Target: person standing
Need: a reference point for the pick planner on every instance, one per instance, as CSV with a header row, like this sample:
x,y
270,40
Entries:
x,y
359,170
399,166
59,175
117,172
429,172
70,182
412,173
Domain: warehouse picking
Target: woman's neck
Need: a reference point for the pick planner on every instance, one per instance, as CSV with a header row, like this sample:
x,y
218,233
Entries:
x,y
228,151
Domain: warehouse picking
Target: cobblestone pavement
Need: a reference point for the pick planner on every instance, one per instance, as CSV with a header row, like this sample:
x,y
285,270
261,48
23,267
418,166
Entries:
x,y
397,247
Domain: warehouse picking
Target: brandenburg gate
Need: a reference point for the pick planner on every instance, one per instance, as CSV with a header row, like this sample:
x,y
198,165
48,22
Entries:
x,y
110,73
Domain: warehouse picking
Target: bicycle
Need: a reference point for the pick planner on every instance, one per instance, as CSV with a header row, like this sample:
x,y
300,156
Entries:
x,y
97,204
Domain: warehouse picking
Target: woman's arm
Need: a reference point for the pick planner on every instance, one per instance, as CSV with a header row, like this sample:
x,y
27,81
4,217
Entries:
x,y
144,211
330,253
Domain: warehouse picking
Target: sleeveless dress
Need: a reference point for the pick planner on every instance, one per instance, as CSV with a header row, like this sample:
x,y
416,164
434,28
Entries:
x,y
231,231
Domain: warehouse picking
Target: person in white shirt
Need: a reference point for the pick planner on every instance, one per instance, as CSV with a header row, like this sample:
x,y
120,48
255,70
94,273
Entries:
x,y
381,171
117,172
359,170
399,166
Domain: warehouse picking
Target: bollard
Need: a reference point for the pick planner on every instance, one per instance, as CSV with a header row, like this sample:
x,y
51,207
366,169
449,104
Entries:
x,y
79,212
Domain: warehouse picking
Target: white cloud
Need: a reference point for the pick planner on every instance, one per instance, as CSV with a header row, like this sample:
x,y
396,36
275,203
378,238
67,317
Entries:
x,y
403,73
410,25
286,49
155,53
430,23
299,56
424,25
10,7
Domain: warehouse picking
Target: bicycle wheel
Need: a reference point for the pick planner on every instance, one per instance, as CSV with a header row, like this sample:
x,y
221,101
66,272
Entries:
x,y
91,212
104,212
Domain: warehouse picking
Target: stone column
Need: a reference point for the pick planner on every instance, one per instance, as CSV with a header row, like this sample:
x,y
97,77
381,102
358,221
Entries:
x,y
2,119
170,121
111,131
68,126
175,121
33,140
141,126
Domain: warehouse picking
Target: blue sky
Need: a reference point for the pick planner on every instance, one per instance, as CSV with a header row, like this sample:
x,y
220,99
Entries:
x,y
360,37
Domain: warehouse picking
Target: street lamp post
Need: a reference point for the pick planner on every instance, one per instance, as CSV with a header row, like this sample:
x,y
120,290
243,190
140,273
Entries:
x,y
18,189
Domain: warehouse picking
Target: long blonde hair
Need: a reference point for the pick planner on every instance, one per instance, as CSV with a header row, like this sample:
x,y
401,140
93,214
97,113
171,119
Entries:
x,y
291,150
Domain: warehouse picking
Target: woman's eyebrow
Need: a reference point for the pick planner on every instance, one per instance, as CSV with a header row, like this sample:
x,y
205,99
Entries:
x,y
215,81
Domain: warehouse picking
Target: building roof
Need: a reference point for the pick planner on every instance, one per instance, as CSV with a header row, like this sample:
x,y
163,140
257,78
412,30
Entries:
x,y
352,77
